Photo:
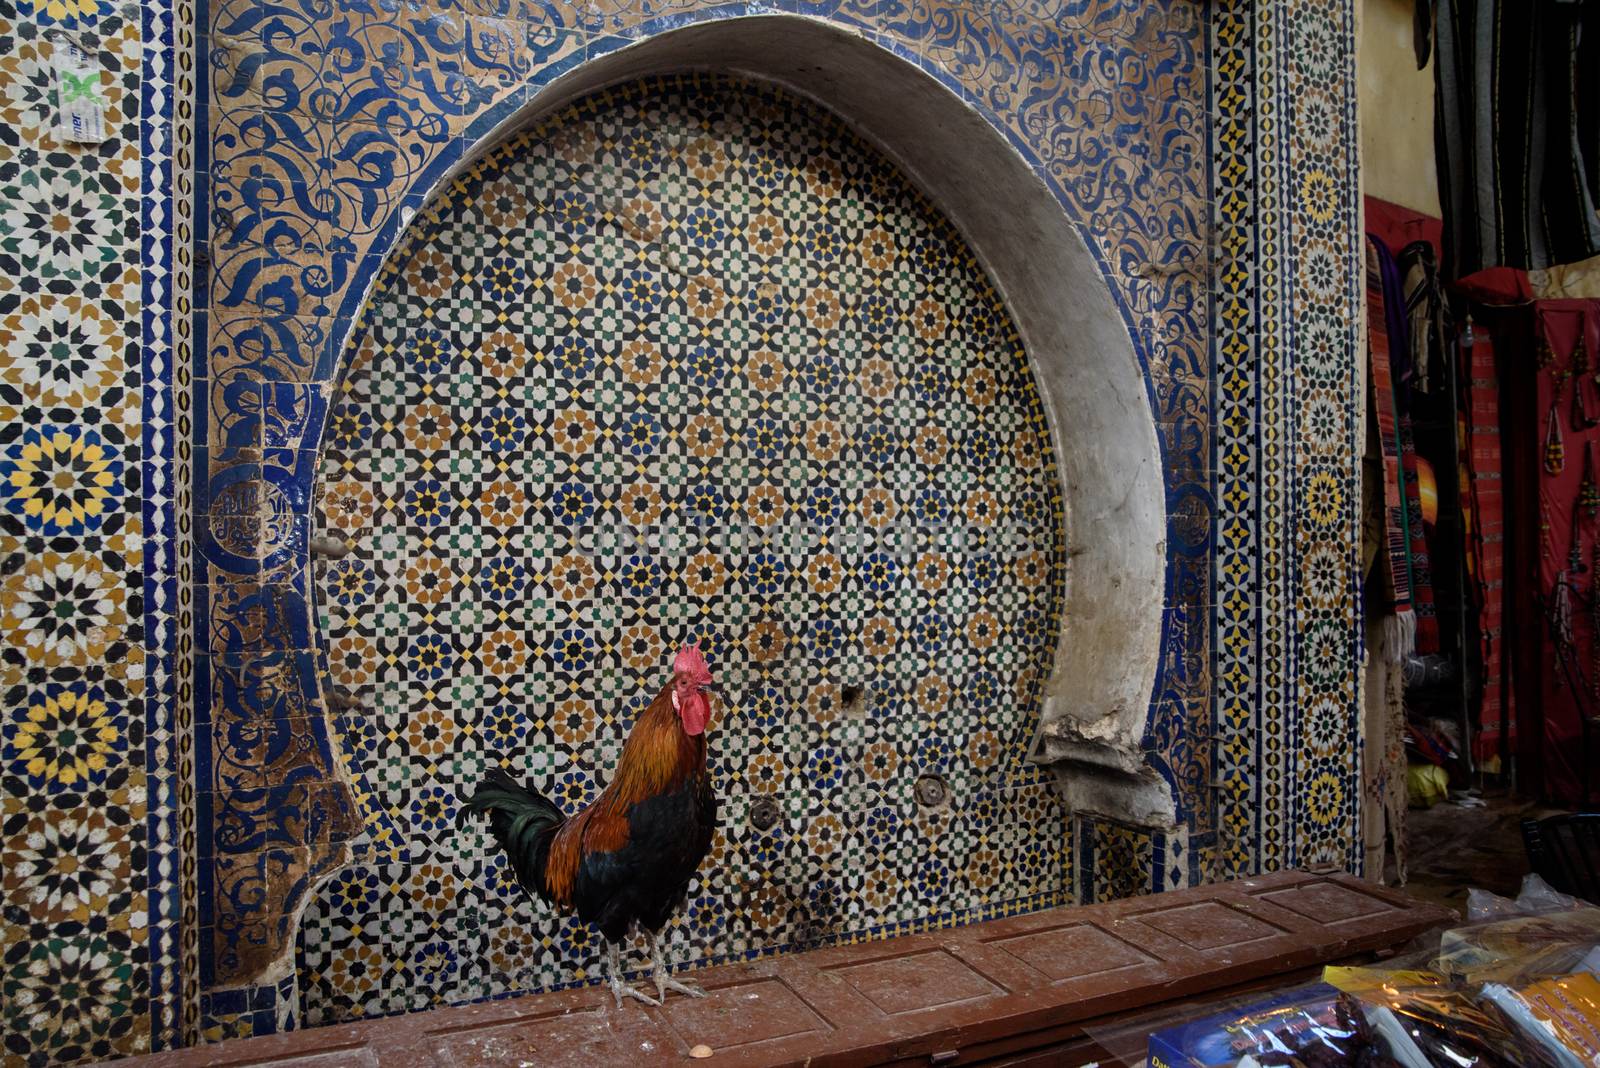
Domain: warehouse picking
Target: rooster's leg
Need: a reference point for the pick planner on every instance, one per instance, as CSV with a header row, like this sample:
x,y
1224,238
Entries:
x,y
665,982
620,989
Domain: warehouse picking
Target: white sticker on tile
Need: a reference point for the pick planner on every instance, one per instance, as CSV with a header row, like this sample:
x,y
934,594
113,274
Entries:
x,y
78,100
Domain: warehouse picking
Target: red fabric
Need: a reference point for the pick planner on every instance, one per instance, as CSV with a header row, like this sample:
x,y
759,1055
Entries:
x,y
1513,333
1484,489
1397,227
1496,286
1570,675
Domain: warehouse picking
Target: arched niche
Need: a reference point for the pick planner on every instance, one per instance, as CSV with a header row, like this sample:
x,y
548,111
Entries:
x,y
1096,392
1094,387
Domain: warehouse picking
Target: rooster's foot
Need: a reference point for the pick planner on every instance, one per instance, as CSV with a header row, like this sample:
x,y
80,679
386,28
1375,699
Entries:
x,y
663,978
620,990
665,982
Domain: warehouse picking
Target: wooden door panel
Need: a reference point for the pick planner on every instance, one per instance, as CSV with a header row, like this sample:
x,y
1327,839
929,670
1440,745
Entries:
x,y
993,989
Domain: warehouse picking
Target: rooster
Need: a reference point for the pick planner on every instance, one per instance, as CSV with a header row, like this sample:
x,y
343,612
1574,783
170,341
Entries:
x,y
625,861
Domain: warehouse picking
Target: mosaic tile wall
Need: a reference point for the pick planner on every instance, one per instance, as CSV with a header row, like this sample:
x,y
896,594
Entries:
x,y
1324,422
1207,151
689,363
1285,284
1105,99
78,872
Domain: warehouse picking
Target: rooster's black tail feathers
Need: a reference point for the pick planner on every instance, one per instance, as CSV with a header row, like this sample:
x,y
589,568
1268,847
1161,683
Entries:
x,y
523,822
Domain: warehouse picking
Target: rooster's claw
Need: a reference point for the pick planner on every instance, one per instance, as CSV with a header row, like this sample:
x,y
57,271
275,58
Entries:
x,y
665,983
620,990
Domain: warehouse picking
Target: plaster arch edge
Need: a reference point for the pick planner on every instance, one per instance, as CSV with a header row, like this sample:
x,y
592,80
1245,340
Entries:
x,y
1080,343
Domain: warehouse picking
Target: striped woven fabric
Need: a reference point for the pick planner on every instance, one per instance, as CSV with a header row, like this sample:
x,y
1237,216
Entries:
x,y
1486,539
1396,570
1519,123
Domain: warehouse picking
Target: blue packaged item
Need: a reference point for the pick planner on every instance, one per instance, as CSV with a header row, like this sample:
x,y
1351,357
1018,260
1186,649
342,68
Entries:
x,y
1288,1022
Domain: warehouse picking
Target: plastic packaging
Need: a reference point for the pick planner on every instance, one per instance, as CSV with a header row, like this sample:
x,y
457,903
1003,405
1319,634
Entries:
x,y
1536,898
1443,1023
1520,949
1312,1026
1516,988
1562,1015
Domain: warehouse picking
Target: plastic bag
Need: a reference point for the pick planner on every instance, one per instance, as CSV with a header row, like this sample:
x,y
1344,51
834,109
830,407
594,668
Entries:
x,y
1560,1014
1426,785
1329,1031
1520,949
1536,898
1428,1021
1309,1026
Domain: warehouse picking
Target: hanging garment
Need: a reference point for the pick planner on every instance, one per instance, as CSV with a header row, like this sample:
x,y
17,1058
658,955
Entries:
x,y
1425,313
1517,132
1394,570
1410,575
1486,537
1383,771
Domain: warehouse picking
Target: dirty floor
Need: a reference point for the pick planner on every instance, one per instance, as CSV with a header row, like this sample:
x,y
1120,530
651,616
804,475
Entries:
x,y
1454,848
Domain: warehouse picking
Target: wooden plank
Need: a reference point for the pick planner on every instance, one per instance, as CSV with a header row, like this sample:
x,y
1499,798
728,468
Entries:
x,y
995,989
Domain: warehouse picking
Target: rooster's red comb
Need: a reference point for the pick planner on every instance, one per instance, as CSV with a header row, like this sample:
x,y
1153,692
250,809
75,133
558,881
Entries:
x,y
691,662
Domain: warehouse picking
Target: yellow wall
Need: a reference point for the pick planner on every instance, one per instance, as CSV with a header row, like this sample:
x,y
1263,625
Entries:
x,y
1396,102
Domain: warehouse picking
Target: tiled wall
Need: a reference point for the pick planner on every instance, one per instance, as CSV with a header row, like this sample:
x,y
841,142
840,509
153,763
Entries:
x,y
1290,415
689,363
261,162
79,869
315,161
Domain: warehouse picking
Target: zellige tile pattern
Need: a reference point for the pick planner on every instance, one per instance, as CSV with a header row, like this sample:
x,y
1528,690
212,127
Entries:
x,y
75,974
103,341
705,314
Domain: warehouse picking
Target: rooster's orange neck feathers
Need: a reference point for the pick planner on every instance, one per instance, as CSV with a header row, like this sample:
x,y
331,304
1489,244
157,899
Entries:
x,y
659,755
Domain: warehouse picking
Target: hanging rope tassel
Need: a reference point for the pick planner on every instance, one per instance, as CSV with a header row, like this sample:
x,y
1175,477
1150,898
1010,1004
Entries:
x,y
1581,419
1555,451
1575,546
1577,369
1400,636
1594,620
1588,492
1561,615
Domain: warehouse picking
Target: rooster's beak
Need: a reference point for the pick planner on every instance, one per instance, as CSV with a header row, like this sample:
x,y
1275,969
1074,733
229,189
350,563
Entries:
x,y
709,687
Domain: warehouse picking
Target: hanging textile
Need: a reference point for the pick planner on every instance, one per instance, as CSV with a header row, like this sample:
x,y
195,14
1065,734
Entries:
x,y
1484,491
1390,626
1408,575
1566,335
1425,314
1394,572
1575,280
1518,132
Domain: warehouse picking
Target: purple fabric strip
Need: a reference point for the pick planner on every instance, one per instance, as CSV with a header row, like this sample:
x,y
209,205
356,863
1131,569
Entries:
x,y
1394,314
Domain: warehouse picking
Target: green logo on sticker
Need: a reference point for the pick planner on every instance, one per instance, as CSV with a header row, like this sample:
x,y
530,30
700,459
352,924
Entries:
x,y
79,87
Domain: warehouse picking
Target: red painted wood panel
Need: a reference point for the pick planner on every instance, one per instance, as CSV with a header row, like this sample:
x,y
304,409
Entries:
x,y
995,988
